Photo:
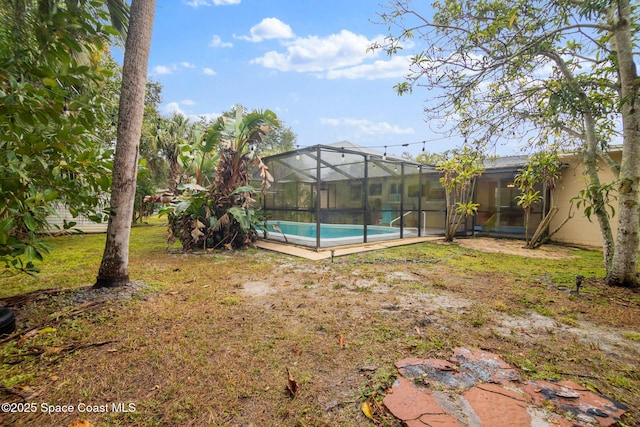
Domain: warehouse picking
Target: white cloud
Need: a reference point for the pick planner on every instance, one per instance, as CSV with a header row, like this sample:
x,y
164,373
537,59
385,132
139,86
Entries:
x,y
187,102
396,67
216,41
170,69
198,3
315,54
209,72
172,108
269,28
344,55
162,69
367,127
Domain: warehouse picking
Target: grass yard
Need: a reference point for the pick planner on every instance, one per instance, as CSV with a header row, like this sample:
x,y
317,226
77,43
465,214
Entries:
x,y
207,339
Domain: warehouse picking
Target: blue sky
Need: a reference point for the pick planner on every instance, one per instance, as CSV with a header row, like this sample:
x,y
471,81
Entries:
x,y
306,60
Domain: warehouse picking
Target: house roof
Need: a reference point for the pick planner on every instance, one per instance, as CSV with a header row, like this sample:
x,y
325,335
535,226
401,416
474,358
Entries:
x,y
508,162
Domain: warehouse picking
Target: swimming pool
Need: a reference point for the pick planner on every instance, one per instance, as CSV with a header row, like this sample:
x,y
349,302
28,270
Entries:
x,y
304,233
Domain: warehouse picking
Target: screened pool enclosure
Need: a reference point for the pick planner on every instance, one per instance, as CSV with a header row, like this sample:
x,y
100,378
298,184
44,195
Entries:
x,y
343,194
324,196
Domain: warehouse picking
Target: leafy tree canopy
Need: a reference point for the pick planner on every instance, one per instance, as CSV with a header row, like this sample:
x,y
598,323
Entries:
x,y
510,70
57,103
547,72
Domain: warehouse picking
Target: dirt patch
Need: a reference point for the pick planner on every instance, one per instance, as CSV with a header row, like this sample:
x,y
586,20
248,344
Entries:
x,y
515,247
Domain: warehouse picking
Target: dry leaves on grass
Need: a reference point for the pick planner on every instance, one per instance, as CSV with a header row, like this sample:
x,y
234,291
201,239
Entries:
x,y
58,351
292,385
80,423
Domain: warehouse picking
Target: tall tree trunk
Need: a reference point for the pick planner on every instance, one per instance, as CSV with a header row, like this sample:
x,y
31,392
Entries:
x,y
590,161
114,269
624,269
174,175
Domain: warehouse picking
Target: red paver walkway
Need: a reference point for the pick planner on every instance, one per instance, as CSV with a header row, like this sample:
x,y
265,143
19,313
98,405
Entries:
x,y
477,388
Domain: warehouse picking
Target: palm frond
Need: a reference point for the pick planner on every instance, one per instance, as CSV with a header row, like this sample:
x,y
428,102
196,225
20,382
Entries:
x,y
223,221
119,11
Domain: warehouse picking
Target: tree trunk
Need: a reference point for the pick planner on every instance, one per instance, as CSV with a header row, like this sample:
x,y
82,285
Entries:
x,y
623,271
590,159
527,215
174,175
115,260
599,203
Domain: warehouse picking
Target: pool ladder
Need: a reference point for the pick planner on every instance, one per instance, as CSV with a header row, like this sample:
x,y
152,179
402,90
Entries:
x,y
424,221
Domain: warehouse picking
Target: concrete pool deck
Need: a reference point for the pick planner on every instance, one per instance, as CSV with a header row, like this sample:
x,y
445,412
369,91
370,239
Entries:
x,y
325,253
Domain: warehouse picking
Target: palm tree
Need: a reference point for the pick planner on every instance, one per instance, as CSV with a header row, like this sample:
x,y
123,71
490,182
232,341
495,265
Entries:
x,y
115,260
170,141
119,12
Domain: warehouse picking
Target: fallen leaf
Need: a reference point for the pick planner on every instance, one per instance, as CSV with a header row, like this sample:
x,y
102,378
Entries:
x,y
342,344
292,385
285,284
56,350
47,330
53,378
80,423
26,336
196,233
366,410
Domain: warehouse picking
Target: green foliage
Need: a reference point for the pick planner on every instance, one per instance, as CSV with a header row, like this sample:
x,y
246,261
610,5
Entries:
x,y
428,158
223,215
542,168
277,140
458,174
528,199
558,74
596,197
57,98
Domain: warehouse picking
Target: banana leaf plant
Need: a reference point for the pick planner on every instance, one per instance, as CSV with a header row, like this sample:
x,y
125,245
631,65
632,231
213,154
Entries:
x,y
223,214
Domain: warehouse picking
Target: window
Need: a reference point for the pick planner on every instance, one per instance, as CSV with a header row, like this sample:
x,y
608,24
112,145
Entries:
x,y
395,189
414,190
356,193
375,189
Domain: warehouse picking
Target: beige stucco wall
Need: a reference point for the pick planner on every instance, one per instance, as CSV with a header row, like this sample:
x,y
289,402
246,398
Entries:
x,y
579,230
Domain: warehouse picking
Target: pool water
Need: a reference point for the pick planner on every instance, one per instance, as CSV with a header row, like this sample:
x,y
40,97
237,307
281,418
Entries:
x,y
328,231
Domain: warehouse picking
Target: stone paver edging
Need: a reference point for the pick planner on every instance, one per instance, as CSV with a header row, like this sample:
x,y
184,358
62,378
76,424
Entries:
x,y
477,388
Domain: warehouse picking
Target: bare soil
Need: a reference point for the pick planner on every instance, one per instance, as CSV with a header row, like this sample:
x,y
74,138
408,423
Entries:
x,y
222,339
516,247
